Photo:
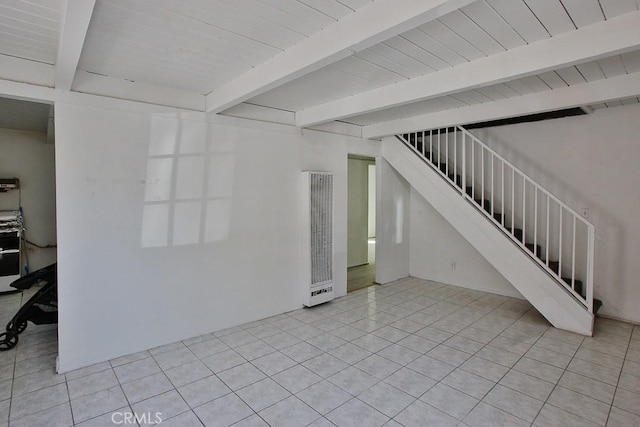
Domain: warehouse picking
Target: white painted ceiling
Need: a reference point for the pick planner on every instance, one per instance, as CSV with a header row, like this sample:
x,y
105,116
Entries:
x,y
24,115
188,49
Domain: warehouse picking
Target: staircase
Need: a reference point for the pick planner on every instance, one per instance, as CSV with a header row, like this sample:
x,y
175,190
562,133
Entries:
x,y
541,245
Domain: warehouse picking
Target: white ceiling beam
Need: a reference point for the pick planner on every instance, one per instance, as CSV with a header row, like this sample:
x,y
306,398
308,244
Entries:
x,y
112,87
371,24
598,91
73,30
596,41
26,91
26,71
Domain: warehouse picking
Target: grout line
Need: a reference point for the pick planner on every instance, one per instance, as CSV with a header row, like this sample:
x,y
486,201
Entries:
x,y
619,376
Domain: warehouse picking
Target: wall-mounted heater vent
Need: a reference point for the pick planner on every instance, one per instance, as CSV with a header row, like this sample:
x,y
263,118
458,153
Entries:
x,y
318,237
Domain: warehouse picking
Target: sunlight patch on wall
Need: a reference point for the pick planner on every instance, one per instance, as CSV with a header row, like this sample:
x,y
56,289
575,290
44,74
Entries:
x,y
189,184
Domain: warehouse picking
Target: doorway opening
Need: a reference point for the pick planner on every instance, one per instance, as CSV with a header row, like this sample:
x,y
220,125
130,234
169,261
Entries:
x,y
361,222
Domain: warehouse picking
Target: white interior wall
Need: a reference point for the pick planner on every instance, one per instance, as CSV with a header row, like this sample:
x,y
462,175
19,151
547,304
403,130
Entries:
x,y
168,224
27,156
590,162
392,225
440,253
357,211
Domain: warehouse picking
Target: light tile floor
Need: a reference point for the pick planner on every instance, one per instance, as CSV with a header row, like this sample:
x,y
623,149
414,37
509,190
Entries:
x,y
410,353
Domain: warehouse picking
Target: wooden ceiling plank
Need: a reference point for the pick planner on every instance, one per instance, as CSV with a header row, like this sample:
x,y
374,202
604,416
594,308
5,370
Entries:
x,y
462,25
568,97
301,11
606,38
552,80
552,15
490,21
522,20
438,31
613,8
631,61
330,8
571,75
429,44
416,52
584,12
591,71
371,24
612,66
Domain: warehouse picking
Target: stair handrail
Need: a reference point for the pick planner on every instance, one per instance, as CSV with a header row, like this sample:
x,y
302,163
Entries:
x,y
587,300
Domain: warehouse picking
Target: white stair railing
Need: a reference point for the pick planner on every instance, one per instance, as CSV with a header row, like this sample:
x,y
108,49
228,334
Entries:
x,y
555,236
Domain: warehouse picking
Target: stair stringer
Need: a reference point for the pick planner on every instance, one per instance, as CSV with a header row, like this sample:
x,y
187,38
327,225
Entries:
x,y
557,305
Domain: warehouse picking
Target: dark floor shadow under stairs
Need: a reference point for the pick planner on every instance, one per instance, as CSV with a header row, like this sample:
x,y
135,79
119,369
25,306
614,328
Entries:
x,y
517,225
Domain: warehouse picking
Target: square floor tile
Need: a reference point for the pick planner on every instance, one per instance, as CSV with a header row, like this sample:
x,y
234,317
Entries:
x,y
273,363
166,405
410,382
171,359
223,411
202,391
188,373
551,357
207,348
147,387
621,418
355,413
627,400
262,394
296,378
325,365
420,414
595,371
485,368
136,370
224,360
377,366
39,400
282,340
90,384
449,400
353,380
371,343
416,343
484,415
254,350
550,416
579,404
289,412
539,370
386,399
587,386
106,419
57,416
513,402
350,353
398,354
241,376
448,355
527,384
301,352
323,397
468,383
98,403
431,367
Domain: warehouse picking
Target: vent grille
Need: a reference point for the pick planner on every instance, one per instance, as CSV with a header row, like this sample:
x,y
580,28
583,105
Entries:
x,y
321,228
